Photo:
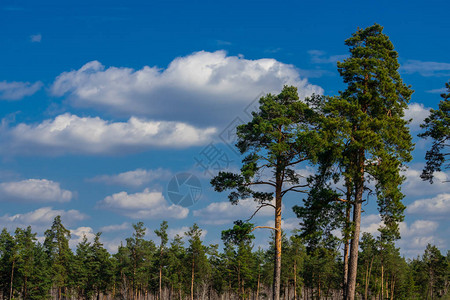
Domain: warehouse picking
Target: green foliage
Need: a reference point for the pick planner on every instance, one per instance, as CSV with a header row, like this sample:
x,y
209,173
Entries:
x,y
279,136
437,127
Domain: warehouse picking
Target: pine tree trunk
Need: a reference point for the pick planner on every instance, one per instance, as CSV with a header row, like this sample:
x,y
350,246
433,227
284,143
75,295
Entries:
x,y
12,279
257,287
277,263
347,240
295,281
366,290
353,262
192,279
160,281
382,281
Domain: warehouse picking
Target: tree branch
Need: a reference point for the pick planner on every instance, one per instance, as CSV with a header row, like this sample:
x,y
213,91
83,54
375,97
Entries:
x,y
294,189
261,206
268,227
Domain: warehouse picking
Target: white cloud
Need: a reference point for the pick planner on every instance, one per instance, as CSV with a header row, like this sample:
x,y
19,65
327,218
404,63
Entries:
x,y
417,112
18,90
426,68
287,225
118,227
219,213
416,237
145,205
41,219
36,38
34,190
371,223
437,91
78,234
201,88
414,186
133,178
439,205
86,135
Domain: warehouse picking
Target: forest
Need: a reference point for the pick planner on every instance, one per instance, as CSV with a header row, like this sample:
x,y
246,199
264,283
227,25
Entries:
x,y
358,143
175,269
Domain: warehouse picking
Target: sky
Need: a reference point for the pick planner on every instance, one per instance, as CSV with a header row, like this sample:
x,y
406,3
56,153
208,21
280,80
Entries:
x,y
117,112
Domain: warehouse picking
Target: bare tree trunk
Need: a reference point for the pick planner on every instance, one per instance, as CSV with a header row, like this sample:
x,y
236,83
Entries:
x,y
347,239
12,279
366,289
382,281
277,263
192,280
295,280
257,286
353,263
160,280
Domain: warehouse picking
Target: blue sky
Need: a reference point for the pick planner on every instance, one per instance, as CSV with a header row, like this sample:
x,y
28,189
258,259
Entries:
x,y
103,103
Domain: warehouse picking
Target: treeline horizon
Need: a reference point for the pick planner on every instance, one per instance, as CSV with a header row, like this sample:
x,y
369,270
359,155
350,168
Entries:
x,y
173,269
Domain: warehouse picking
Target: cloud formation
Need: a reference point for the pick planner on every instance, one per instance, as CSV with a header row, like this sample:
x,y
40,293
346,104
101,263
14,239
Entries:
x,y
34,190
426,68
18,90
145,205
417,112
437,206
201,88
133,178
41,219
414,186
71,134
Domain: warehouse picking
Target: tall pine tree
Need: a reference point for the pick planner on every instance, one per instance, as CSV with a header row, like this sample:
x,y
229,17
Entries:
x,y
369,130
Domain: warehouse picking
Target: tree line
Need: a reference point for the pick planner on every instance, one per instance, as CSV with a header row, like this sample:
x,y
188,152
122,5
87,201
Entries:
x,y
186,268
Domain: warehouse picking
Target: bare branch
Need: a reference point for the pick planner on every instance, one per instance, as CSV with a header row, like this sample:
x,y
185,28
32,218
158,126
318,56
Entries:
x,y
256,211
268,227
294,189
261,182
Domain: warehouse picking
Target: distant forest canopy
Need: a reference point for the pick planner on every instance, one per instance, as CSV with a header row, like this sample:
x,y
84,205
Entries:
x,y
174,269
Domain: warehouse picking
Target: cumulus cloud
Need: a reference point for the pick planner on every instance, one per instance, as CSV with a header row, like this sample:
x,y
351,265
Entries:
x,y
416,236
69,133
414,186
133,178
219,213
439,205
77,235
41,219
18,90
201,88
288,224
145,205
426,68
371,223
417,112
34,190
